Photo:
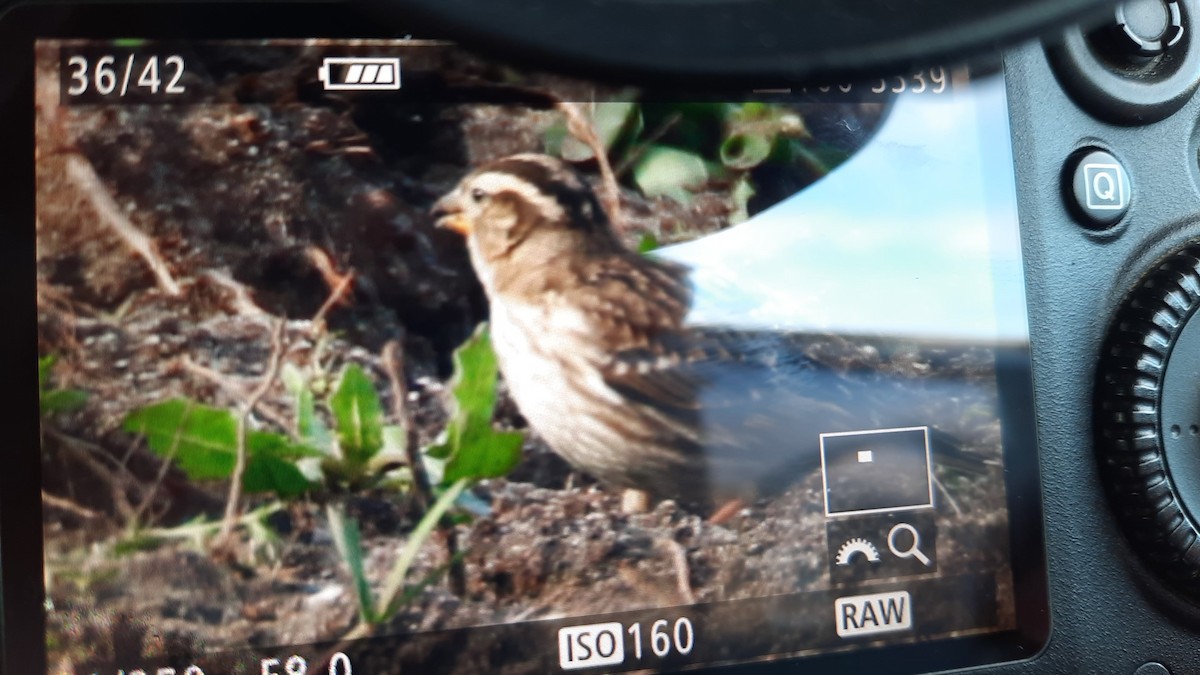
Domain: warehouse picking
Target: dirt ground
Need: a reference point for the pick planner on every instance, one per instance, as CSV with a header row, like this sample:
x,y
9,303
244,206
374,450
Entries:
x,y
250,201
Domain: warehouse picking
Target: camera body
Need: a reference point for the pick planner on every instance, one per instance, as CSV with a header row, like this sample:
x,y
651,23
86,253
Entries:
x,y
1106,149
1102,591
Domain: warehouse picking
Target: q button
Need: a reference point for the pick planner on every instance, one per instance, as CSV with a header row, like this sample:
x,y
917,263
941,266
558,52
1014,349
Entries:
x,y
1098,189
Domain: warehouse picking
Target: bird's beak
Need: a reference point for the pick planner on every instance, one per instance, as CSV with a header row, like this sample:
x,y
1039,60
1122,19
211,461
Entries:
x,y
447,213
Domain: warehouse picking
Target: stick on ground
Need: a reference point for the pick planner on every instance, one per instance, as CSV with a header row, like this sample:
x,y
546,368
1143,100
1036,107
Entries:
x,y
69,506
233,503
84,176
339,284
233,389
393,364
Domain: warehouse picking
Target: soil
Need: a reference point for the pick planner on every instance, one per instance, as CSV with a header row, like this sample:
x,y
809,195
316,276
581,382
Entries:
x,y
249,199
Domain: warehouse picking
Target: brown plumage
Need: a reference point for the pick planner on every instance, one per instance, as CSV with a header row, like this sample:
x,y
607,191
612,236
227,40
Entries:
x,y
592,342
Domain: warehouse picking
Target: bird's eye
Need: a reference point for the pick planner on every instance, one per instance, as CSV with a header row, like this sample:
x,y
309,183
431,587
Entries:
x,y
478,195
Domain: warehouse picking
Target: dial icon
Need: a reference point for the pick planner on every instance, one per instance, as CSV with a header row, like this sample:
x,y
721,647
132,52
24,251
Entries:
x,y
856,546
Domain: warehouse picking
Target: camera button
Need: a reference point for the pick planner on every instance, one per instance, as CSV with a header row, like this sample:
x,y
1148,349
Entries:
x,y
1148,27
1098,188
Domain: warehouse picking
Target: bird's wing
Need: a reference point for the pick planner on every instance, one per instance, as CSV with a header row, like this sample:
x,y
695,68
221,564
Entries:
x,y
755,404
749,417
632,302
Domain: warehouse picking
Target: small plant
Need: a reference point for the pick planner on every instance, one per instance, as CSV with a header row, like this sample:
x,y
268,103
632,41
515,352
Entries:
x,y
468,449
677,149
203,441
51,399
265,542
360,444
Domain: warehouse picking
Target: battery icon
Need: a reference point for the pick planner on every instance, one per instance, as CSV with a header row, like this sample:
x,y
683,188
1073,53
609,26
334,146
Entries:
x,y
360,74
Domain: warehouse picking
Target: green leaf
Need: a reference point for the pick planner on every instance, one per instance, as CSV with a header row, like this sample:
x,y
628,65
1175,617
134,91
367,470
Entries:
x,y
744,151
56,400
61,400
754,110
306,413
45,365
394,454
394,583
395,439
553,138
271,474
647,243
202,441
309,427
359,416
348,541
743,191
471,447
667,171
486,456
612,121
135,543
268,444
394,450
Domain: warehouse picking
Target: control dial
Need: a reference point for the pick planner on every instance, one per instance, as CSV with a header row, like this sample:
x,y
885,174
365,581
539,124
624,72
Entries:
x,y
1147,418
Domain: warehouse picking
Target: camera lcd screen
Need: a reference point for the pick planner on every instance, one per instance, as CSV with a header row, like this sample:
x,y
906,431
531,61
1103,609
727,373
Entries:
x,y
381,356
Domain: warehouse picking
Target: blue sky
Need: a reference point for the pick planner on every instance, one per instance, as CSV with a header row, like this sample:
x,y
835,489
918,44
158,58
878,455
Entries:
x,y
914,236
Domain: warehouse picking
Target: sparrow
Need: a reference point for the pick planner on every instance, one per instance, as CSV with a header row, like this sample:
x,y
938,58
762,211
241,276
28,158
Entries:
x,y
592,341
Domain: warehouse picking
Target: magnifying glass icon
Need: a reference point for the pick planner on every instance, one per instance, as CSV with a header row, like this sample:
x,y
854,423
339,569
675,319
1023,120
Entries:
x,y
913,551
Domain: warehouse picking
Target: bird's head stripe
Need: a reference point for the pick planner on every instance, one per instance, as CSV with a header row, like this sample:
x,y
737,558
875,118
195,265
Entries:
x,y
498,181
558,183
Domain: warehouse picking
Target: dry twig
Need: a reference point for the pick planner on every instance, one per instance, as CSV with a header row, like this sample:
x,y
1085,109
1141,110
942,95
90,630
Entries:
x,y
234,390
393,364
117,478
392,359
148,497
581,127
339,284
84,176
56,303
233,503
682,571
242,302
70,506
